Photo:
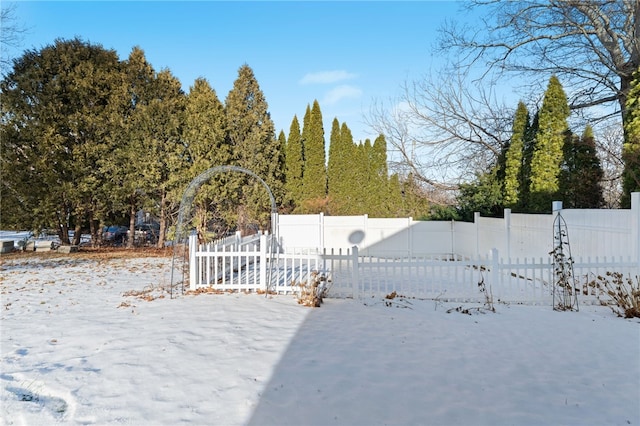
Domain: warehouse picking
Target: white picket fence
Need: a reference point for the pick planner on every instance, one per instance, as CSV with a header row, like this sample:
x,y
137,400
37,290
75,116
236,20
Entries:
x,y
255,265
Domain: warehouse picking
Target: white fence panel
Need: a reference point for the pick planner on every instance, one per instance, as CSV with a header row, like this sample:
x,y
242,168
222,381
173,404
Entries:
x,y
301,230
531,235
363,257
600,232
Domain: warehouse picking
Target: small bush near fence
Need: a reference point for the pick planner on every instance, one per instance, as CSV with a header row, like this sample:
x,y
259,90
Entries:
x,y
624,293
312,292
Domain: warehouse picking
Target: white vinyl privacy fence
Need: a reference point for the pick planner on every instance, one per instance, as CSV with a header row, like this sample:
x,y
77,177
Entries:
x,y
362,257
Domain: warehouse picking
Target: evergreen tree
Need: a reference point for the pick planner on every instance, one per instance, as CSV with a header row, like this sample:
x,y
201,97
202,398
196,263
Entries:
x,y
581,173
631,146
314,179
205,136
524,178
160,156
415,204
254,147
514,156
359,179
394,203
484,196
125,165
294,161
340,169
58,108
282,166
548,150
378,181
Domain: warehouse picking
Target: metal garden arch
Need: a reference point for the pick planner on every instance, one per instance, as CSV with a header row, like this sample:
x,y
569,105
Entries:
x,y
185,210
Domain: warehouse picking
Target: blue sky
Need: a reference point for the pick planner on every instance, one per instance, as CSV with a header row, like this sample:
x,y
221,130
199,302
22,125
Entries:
x,y
344,54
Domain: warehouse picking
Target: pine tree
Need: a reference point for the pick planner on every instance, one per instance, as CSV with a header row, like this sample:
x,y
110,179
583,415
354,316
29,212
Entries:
x,y
59,106
294,165
205,135
631,146
515,155
254,147
581,173
157,128
547,154
314,179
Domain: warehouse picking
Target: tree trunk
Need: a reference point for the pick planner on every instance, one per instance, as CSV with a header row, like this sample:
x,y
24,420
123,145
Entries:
x,y
77,234
163,220
131,236
95,230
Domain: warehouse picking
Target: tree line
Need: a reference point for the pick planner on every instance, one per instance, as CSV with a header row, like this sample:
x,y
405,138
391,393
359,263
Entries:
x,y
455,120
543,161
89,140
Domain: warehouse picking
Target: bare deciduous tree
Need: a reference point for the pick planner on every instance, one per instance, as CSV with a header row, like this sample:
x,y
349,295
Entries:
x,y
443,130
446,128
609,144
10,33
591,45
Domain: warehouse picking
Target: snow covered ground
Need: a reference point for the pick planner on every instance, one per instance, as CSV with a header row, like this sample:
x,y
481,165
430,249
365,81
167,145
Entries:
x,y
95,340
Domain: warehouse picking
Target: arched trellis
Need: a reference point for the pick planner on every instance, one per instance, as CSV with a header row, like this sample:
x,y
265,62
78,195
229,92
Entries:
x,y
186,207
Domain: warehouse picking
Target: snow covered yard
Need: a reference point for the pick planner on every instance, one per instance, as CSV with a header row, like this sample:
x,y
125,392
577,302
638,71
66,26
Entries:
x,y
91,340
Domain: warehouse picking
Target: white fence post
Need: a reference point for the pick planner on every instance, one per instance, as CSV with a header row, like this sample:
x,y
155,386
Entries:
x,y
476,222
635,225
355,273
193,262
321,230
495,264
507,226
263,262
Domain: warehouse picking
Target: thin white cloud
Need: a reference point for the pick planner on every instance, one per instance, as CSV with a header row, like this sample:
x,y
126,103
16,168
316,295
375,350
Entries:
x,y
338,93
327,77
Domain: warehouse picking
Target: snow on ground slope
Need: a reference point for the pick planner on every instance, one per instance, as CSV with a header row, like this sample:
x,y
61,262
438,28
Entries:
x,y
79,345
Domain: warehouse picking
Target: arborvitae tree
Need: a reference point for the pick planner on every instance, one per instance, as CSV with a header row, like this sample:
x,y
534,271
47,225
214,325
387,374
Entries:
x,y
314,179
294,165
581,173
284,203
255,147
525,174
339,169
416,205
58,105
547,154
205,136
394,203
631,146
365,188
514,156
378,179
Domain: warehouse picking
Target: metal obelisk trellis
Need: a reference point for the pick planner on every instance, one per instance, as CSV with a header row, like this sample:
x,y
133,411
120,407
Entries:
x,y
565,294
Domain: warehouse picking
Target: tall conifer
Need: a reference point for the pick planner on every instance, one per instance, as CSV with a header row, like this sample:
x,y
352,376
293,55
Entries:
x,y
294,164
314,179
547,154
581,173
631,146
379,178
515,155
254,146
205,137
339,169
